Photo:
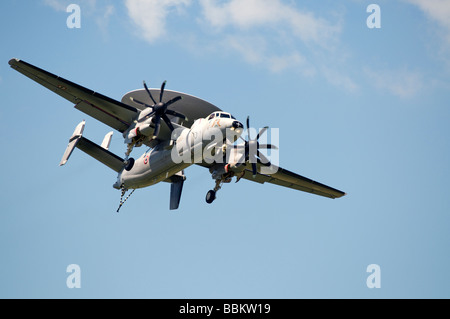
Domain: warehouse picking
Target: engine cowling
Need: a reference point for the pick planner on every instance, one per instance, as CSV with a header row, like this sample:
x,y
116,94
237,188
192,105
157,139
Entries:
x,y
145,129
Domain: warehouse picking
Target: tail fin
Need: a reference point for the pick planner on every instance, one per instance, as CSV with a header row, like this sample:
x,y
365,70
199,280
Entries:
x,y
100,153
74,139
107,140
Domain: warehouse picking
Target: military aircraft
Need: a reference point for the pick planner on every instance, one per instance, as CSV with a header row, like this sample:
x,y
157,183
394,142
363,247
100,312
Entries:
x,y
179,130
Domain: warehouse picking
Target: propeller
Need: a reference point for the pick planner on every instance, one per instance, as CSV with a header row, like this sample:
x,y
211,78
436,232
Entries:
x,y
252,148
160,109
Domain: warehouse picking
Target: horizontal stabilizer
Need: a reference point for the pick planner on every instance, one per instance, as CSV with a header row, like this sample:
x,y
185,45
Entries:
x,y
101,154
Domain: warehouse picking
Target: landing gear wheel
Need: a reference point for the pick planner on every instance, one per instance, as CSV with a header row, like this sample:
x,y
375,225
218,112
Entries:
x,y
129,165
210,196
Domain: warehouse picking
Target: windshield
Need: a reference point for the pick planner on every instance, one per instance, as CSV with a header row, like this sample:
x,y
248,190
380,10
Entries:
x,y
222,115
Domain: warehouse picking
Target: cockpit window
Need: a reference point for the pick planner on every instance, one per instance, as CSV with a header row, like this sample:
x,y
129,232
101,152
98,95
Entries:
x,y
222,115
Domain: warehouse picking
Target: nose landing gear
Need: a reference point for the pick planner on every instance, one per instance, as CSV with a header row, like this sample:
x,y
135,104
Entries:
x,y
211,195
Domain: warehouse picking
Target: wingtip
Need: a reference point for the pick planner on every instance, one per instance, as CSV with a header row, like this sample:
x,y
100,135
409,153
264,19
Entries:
x,y
13,61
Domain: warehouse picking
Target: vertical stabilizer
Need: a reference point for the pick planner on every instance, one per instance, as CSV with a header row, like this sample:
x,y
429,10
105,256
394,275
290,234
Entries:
x,y
74,139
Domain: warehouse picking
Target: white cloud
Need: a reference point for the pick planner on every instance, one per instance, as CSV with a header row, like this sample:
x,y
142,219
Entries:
x,y
243,13
272,34
255,50
437,10
61,5
103,19
339,79
250,48
402,82
150,15
272,15
278,36
57,5
283,62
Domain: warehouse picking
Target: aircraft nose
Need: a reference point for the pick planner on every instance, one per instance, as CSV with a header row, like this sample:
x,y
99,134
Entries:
x,y
237,124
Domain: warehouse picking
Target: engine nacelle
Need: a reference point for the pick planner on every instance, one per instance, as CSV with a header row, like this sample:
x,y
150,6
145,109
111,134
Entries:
x,y
141,129
146,128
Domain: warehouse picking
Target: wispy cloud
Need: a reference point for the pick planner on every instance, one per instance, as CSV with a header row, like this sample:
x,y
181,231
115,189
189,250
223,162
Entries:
x,y
438,11
339,78
399,82
263,15
61,5
270,33
58,5
103,19
150,15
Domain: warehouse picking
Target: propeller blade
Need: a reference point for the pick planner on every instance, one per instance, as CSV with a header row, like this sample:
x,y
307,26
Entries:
x,y
268,146
175,113
248,128
162,91
145,118
175,99
167,120
263,130
238,146
139,102
264,160
254,171
157,126
149,93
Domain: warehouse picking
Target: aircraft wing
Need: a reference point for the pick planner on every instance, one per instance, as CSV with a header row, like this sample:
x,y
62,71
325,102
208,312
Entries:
x,y
113,113
283,177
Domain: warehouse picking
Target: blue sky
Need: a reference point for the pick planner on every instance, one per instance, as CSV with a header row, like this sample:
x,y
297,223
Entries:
x,y
362,110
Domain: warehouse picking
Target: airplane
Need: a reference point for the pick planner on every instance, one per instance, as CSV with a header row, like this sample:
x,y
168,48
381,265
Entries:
x,y
179,130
